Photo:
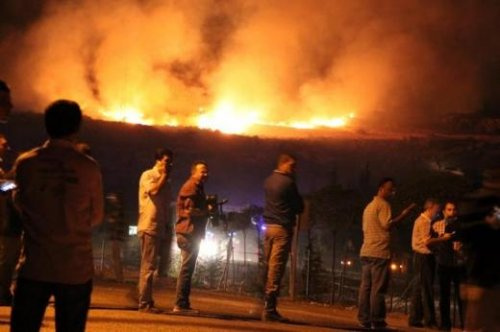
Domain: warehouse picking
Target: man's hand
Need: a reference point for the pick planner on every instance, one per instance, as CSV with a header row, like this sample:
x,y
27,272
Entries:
x,y
446,236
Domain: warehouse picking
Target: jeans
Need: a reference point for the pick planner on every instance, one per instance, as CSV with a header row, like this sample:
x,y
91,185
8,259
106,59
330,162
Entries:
x,y
149,254
422,298
372,290
446,276
190,247
10,249
31,298
277,244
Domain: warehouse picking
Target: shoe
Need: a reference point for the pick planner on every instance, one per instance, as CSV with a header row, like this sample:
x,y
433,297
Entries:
x,y
273,316
186,311
151,309
379,325
365,325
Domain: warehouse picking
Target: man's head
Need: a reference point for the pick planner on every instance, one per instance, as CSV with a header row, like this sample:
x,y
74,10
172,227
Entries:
x,y
4,146
386,188
199,171
63,119
450,210
286,163
431,207
5,101
163,158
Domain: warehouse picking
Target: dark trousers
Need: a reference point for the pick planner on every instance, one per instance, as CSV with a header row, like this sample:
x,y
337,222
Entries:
x,y
277,243
422,298
446,276
32,297
10,248
189,246
149,255
372,290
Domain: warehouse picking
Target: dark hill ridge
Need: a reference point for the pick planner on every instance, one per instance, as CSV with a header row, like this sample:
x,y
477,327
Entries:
x,y
239,164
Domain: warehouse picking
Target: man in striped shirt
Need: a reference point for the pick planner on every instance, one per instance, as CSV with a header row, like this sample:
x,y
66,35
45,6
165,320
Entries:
x,y
375,255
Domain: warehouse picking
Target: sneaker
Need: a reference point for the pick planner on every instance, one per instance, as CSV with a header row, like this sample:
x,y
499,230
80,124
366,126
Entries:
x,y
186,311
273,316
151,309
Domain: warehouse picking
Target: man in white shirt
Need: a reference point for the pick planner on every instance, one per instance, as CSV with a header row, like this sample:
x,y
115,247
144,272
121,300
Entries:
x,y
422,300
154,201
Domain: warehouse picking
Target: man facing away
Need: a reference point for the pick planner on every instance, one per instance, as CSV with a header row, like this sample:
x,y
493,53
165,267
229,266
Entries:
x,y
422,298
282,205
375,255
192,215
154,200
449,268
60,199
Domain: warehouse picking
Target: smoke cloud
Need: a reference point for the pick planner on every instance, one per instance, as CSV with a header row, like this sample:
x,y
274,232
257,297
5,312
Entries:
x,y
270,62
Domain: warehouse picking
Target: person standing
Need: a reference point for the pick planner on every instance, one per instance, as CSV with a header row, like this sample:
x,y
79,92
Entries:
x,y
449,268
282,205
116,231
375,255
10,226
60,199
154,200
192,214
422,298
10,232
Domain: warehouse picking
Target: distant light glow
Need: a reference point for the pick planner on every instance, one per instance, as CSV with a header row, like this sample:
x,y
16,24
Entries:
x,y
209,247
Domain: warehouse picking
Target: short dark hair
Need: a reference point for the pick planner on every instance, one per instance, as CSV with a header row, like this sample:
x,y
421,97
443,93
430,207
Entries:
x,y
62,118
384,181
162,152
4,87
285,158
429,202
198,162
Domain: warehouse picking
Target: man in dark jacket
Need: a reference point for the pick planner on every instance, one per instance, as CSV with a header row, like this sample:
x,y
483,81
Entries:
x,y
282,205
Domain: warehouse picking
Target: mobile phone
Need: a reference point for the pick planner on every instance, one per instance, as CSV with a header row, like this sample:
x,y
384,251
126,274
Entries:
x,y
7,185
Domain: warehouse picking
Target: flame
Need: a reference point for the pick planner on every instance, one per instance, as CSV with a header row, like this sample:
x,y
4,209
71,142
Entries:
x,y
228,118
225,117
125,113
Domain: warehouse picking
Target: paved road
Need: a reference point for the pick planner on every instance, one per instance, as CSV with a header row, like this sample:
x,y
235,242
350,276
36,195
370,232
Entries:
x,y
114,309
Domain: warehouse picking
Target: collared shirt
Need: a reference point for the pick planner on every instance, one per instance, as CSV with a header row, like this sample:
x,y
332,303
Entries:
x,y
153,208
282,200
376,229
445,253
60,198
190,201
421,234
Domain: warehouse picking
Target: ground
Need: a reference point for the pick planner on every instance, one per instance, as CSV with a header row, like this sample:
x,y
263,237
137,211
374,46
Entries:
x,y
113,309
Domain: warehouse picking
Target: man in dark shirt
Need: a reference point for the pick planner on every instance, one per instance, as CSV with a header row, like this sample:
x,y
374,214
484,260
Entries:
x,y
282,204
449,269
192,216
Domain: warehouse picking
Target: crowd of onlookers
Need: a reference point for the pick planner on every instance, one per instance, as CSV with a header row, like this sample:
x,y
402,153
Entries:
x,y
459,247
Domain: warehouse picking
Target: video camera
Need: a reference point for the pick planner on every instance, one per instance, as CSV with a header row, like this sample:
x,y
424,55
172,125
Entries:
x,y
216,214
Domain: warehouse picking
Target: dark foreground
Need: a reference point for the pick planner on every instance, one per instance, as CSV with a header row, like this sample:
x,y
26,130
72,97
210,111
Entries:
x,y
113,309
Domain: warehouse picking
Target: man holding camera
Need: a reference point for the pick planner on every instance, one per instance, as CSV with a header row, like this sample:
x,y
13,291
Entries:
x,y
154,201
282,205
192,215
